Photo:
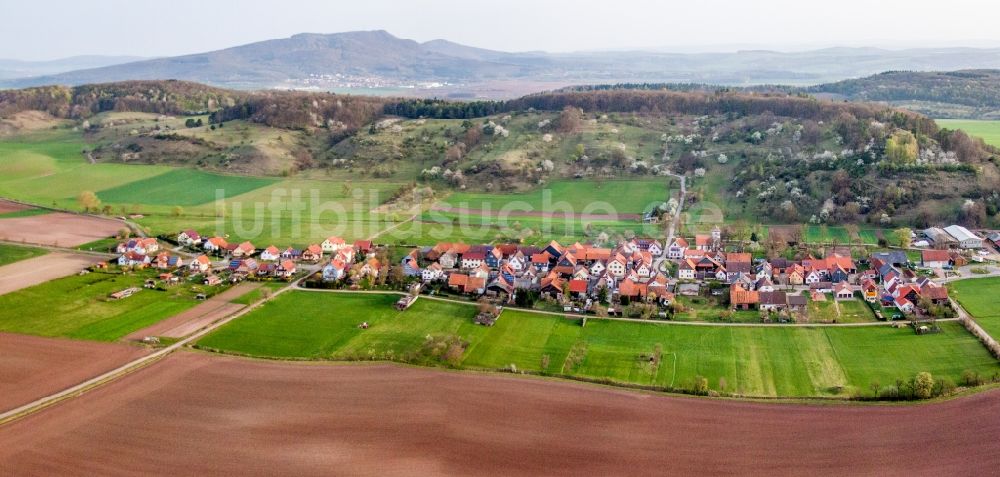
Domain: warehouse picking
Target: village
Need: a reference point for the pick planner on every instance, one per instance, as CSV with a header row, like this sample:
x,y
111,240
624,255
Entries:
x,y
689,280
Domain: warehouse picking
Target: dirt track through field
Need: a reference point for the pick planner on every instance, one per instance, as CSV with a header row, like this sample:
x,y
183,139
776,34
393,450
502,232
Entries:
x,y
26,273
201,414
57,229
194,319
7,207
32,366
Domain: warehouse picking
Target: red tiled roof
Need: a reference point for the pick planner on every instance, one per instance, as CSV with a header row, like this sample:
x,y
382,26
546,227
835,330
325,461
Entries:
x,y
935,255
578,286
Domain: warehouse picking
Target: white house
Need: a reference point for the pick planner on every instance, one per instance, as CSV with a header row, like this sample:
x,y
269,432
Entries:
x,y
597,268
189,238
676,249
270,254
200,264
215,244
617,267
432,272
686,270
333,244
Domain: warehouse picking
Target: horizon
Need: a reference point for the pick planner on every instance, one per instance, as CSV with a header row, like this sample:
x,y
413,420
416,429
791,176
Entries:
x,y
633,26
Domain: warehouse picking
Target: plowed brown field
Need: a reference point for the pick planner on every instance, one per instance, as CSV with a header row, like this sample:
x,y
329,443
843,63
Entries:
x,y
32,367
200,414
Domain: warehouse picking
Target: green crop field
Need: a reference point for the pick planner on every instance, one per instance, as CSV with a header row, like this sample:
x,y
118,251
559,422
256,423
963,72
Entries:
x,y
979,297
625,196
988,130
54,171
16,253
78,307
759,361
182,187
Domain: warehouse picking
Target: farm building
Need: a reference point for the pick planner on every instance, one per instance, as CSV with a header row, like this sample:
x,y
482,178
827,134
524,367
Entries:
x,y
965,238
939,238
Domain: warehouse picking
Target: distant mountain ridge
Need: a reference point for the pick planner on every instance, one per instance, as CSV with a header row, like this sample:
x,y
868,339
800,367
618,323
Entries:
x,y
22,68
377,59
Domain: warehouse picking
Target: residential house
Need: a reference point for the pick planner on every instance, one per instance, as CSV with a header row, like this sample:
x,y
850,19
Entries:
x,y
286,269
243,250
686,269
333,244
312,253
165,261
200,264
772,300
270,254
935,258
189,238
133,259
432,272
652,246
903,305
370,269
141,246
473,259
869,289
675,250
215,245
578,288
843,291
291,254
493,257
448,259
363,246
335,270
411,264
618,266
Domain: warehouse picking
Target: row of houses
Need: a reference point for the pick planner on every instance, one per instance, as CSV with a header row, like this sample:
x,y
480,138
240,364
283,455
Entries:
x,y
891,286
740,268
579,271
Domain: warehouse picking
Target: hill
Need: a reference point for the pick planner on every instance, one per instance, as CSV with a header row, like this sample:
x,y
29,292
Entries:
x,y
763,158
377,61
964,94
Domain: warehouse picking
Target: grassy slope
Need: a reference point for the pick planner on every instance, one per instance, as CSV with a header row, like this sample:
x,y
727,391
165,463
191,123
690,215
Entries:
x,y
16,253
78,307
182,187
624,196
751,360
988,130
978,297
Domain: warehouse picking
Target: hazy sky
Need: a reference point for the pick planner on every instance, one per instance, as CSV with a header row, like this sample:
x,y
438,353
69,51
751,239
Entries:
x,y
46,29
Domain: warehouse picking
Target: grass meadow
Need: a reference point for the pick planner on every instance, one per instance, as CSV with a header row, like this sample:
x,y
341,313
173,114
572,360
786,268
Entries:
x,y
986,129
16,253
979,297
78,306
753,361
